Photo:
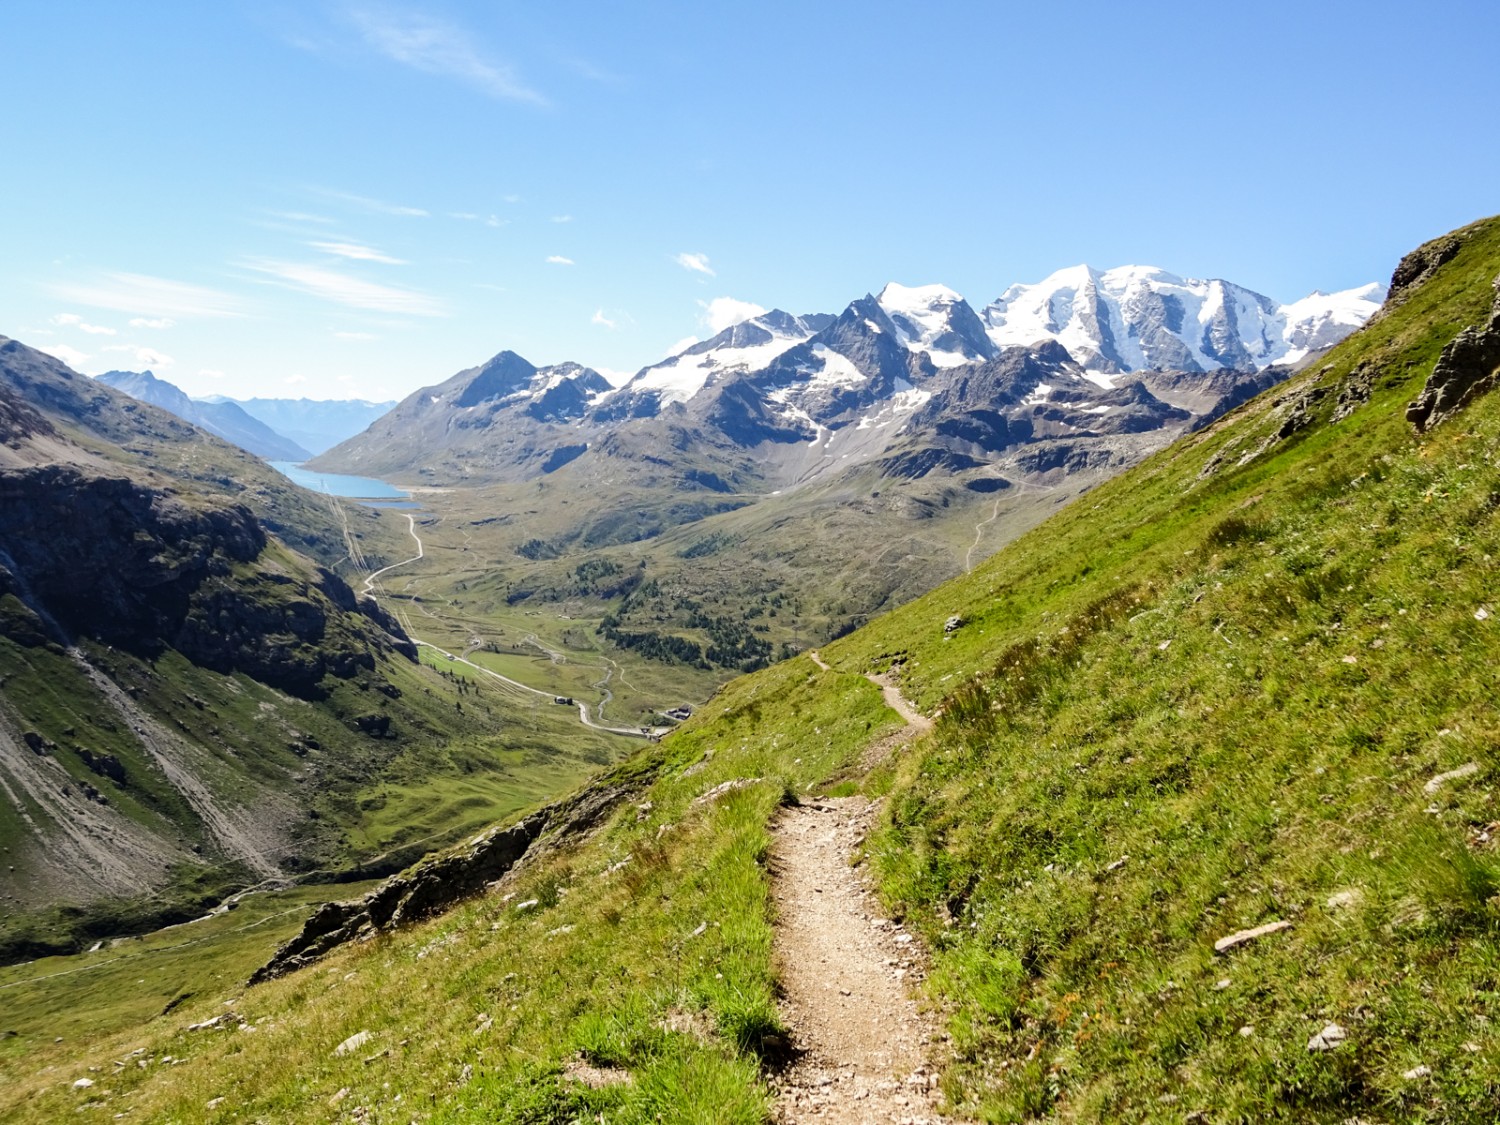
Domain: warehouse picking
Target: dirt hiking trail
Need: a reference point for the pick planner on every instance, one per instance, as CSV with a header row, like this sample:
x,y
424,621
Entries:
x,y
865,1048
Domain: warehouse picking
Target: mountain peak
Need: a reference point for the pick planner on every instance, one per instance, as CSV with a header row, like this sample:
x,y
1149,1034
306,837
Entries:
x,y
505,374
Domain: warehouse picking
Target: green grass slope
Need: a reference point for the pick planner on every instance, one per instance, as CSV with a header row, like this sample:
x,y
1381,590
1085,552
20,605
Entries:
x,y
1220,692
646,947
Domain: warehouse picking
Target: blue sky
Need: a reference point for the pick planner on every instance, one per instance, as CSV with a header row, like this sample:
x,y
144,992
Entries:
x,y
352,199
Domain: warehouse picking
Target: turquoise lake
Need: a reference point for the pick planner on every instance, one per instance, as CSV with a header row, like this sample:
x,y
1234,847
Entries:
x,y
337,484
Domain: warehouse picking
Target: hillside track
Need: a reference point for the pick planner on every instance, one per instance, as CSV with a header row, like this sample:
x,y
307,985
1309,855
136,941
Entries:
x,y
864,1049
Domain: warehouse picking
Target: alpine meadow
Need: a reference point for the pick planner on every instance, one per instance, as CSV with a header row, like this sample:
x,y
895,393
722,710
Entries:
x,y
462,659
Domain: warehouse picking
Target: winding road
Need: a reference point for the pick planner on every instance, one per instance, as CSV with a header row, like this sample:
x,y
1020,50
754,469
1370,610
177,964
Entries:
x,y
370,587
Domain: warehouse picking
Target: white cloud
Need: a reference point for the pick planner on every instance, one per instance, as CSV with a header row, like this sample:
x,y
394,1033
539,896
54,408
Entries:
x,y
71,356
511,198
343,289
697,263
357,252
151,296
151,322
559,260
601,319
613,377
300,217
562,218
495,221
150,357
294,380
73,320
725,312
682,345
355,336
377,206
143,357
434,47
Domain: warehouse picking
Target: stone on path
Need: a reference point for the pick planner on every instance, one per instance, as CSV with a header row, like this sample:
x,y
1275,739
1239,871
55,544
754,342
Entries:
x,y
1224,944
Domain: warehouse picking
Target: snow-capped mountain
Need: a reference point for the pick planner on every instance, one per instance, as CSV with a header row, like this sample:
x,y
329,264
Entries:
x,y
1134,318
1124,357
936,320
748,346
503,412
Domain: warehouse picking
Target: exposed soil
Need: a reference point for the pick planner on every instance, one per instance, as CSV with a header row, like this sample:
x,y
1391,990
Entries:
x,y
864,1049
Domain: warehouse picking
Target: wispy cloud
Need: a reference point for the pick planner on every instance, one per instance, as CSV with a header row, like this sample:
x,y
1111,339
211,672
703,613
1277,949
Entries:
x,y
143,357
73,320
696,263
294,380
725,312
562,218
355,336
344,289
375,206
71,356
603,321
444,49
471,217
559,260
155,297
301,217
357,252
585,69
160,322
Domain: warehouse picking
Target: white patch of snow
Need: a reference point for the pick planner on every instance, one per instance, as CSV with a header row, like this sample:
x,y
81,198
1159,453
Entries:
x,y
837,370
1069,305
679,377
947,359
929,309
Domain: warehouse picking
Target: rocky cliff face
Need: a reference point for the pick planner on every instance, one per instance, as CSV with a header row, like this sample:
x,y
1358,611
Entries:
x,y
146,570
1468,367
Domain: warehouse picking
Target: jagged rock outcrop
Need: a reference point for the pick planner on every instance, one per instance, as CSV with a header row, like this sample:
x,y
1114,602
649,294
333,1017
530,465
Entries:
x,y
145,570
441,881
1468,367
1412,270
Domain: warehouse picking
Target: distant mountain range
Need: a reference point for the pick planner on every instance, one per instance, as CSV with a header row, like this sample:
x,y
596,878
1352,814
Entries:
x,y
912,377
274,429
223,418
314,424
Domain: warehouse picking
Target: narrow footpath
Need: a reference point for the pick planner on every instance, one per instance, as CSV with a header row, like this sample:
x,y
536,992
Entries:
x,y
865,1049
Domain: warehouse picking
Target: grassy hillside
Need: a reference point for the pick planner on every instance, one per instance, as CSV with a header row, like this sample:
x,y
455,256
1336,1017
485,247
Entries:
x,y
1249,682
647,947
1220,692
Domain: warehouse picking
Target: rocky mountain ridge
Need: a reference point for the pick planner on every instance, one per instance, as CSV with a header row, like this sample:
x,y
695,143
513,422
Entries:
x,y
872,378
156,635
226,419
